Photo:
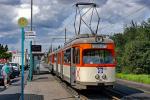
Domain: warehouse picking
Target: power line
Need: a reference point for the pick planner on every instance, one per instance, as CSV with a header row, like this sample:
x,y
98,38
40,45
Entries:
x,y
138,10
71,20
131,14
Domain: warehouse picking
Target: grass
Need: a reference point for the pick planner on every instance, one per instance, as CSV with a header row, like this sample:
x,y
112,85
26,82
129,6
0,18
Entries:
x,y
141,78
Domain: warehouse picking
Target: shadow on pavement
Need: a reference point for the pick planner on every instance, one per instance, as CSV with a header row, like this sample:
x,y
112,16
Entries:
x,y
137,96
15,80
10,96
42,73
130,93
127,90
2,89
33,97
64,98
40,79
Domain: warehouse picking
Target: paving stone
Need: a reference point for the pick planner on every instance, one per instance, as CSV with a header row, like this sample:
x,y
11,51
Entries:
x,y
45,87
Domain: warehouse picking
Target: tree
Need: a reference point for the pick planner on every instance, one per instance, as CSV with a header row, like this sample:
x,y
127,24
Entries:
x,y
133,48
6,48
136,56
3,52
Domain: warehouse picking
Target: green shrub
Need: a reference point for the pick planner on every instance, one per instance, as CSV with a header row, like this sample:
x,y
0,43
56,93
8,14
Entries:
x,y
142,78
138,71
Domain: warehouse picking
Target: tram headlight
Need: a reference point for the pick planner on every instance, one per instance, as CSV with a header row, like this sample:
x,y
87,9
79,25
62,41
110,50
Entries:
x,y
104,76
99,39
97,77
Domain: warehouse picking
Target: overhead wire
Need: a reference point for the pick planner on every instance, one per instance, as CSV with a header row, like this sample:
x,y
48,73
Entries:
x,y
68,23
71,20
129,15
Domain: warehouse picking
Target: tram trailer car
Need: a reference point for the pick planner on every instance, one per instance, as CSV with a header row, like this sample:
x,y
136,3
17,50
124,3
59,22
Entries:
x,y
85,61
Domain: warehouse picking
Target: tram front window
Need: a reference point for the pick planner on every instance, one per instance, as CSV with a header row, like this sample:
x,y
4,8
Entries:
x,y
97,57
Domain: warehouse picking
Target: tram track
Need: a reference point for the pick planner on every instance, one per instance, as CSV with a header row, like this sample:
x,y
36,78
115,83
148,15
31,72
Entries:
x,y
95,94
118,92
99,94
104,94
71,90
114,94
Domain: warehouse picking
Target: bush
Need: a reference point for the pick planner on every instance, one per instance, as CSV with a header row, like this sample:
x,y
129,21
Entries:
x,y
138,71
137,55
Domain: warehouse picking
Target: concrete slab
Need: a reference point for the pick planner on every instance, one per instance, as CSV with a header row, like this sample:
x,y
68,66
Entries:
x,y
45,87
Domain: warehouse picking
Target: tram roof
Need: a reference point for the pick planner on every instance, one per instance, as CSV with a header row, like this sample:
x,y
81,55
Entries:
x,y
82,39
87,38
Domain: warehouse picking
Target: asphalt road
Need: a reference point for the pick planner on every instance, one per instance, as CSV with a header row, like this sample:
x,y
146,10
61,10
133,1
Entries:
x,y
131,93
13,91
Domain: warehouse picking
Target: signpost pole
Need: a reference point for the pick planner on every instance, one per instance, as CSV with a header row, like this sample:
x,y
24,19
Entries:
x,y
22,67
31,63
22,22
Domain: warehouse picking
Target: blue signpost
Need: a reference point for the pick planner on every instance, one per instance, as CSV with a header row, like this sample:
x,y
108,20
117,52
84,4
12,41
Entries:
x,y
22,23
22,67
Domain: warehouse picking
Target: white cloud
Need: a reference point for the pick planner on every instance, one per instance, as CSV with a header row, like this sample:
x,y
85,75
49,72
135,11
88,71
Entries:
x,y
52,16
24,10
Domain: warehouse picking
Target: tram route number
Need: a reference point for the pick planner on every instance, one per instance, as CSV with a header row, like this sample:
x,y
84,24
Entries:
x,y
99,70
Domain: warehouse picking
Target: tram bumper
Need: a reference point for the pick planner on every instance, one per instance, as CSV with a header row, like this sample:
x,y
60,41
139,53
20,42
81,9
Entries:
x,y
95,83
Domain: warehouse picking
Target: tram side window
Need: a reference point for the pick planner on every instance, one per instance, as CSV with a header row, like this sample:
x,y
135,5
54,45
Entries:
x,y
55,58
58,56
76,56
50,59
67,56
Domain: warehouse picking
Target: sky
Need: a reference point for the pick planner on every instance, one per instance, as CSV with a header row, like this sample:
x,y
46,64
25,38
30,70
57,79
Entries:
x,y
51,17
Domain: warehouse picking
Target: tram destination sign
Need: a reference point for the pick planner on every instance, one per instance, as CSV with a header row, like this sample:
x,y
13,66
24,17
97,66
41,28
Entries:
x,y
99,45
36,48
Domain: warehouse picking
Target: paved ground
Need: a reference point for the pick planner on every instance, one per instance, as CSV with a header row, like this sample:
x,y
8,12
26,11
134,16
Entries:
x,y
133,90
45,87
140,86
13,91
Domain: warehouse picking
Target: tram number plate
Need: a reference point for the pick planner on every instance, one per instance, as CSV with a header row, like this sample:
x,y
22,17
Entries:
x,y
100,70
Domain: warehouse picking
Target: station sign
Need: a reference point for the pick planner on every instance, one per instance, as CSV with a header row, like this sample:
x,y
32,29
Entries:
x,y
22,22
36,48
30,34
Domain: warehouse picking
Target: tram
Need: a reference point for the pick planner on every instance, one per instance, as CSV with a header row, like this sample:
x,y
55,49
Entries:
x,y
87,59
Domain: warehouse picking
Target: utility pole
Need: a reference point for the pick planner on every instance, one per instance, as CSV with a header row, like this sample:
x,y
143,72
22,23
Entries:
x,y
31,13
65,34
31,57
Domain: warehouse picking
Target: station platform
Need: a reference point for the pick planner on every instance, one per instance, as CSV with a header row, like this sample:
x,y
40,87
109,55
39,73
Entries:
x,y
45,87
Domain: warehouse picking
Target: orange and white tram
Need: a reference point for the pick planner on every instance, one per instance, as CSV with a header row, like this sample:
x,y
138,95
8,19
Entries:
x,y
86,60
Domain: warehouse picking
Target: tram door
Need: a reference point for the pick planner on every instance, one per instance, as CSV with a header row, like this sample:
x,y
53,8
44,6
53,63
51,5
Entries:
x,y
72,69
61,65
57,63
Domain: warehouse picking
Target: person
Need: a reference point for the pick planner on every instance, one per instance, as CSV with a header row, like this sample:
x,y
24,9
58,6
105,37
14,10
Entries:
x,y
38,68
6,74
11,75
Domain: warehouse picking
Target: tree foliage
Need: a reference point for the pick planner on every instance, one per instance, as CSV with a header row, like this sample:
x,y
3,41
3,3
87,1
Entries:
x,y
133,48
3,52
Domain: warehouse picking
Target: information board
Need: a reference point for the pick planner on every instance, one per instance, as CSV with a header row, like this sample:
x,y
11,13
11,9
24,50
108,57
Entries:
x,y
36,48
